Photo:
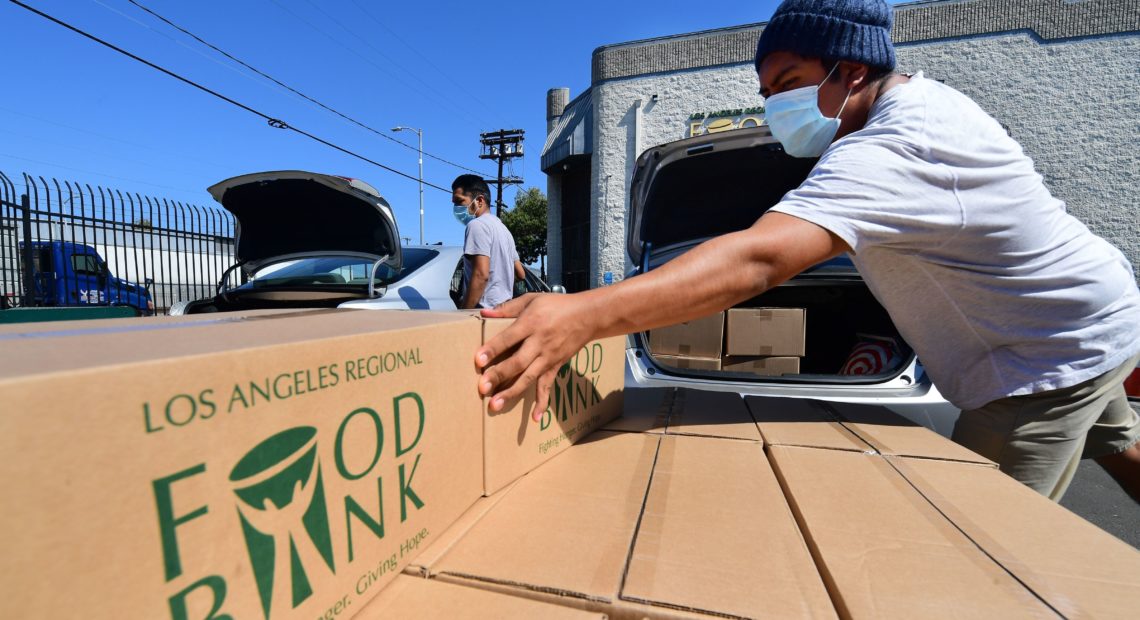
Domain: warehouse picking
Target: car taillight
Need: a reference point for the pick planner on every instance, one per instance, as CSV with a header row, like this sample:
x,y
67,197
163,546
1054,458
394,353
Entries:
x,y
1132,384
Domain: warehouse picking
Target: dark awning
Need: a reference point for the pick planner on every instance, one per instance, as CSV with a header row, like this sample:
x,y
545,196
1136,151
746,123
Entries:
x,y
573,133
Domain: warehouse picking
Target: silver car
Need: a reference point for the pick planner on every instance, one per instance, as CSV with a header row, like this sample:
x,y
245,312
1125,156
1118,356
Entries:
x,y
347,256
688,191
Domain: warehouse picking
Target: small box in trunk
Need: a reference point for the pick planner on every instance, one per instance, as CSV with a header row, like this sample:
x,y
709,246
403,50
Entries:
x,y
697,338
765,332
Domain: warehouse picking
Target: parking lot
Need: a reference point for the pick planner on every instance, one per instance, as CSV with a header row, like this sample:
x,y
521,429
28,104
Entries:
x,y
1095,496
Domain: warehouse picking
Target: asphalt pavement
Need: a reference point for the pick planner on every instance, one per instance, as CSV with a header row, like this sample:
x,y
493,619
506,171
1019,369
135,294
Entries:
x,y
1095,496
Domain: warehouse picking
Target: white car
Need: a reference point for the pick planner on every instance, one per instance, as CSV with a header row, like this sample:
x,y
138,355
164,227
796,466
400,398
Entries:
x,y
307,240
688,191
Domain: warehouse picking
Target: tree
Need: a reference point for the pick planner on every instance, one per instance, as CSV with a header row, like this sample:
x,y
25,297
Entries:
x,y
527,223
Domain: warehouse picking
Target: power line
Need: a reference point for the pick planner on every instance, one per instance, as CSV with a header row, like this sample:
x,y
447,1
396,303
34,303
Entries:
x,y
293,90
273,122
426,60
443,101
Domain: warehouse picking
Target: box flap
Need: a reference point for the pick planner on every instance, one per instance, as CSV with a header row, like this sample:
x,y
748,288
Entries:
x,y
729,549
409,597
567,527
884,550
424,564
711,414
801,422
645,410
1074,566
891,434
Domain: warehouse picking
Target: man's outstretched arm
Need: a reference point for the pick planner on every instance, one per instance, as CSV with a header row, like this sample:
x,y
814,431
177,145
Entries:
x,y
713,276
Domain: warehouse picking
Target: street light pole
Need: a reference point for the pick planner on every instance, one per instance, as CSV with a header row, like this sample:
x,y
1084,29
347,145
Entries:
x,y
420,135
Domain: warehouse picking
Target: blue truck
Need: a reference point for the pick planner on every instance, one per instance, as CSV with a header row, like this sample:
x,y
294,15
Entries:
x,y
66,274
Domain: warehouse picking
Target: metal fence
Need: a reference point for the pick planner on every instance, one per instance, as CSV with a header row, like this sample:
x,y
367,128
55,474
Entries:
x,y
172,250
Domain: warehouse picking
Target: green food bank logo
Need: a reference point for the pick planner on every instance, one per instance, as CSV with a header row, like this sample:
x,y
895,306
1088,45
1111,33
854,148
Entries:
x,y
575,387
284,515
280,503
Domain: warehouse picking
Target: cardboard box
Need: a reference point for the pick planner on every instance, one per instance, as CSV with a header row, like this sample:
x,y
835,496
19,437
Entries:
x,y
282,468
411,598
644,410
711,414
762,366
688,363
685,411
955,540
592,530
698,338
587,393
1073,566
765,332
848,426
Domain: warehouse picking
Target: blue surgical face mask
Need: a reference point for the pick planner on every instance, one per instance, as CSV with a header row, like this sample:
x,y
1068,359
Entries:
x,y
798,123
462,213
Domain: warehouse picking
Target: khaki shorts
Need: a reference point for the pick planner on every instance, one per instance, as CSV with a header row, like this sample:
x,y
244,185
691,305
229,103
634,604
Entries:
x,y
1039,439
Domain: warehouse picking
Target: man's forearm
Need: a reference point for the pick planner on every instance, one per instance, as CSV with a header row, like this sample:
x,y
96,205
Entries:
x,y
475,290
713,276
709,278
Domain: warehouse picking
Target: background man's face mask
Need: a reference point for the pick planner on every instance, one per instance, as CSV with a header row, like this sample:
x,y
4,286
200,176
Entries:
x,y
798,123
463,213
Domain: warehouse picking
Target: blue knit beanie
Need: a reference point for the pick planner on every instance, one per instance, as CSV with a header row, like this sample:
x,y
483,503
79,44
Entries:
x,y
854,30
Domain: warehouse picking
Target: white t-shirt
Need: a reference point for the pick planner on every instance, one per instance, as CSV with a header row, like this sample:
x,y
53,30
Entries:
x,y
487,236
997,288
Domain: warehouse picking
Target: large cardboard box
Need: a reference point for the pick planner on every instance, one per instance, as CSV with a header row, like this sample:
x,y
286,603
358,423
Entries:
x,y
409,598
902,537
587,393
762,366
641,525
765,332
702,337
280,468
848,426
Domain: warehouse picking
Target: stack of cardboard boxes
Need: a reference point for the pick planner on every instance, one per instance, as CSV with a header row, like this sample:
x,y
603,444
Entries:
x,y
336,464
701,505
758,341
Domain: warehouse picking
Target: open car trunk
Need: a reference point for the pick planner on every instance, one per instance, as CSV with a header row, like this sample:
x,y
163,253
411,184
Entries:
x,y
691,190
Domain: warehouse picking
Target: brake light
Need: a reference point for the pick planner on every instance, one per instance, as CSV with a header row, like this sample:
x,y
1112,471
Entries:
x,y
1132,384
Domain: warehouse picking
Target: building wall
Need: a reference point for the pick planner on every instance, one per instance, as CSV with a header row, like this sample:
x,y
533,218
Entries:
x,y
1071,103
1060,74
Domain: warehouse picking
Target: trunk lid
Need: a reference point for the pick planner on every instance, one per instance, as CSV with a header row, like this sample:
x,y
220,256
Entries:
x,y
293,212
694,189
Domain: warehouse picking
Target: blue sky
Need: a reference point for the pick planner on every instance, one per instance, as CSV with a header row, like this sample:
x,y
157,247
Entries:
x,y
72,109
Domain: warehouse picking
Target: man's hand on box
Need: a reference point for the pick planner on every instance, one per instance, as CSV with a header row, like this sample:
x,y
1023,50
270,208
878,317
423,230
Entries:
x,y
549,330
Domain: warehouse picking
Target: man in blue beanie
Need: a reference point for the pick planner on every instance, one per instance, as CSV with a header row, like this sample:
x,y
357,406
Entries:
x,y
1023,318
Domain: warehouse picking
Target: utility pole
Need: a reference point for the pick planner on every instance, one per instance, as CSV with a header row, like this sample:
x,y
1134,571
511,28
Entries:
x,y
420,134
501,146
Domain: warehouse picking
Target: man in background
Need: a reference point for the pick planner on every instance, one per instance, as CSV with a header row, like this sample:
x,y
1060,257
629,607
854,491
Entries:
x,y
490,261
